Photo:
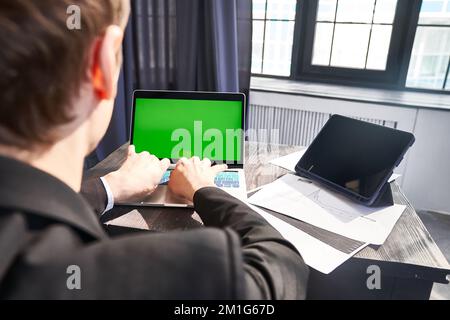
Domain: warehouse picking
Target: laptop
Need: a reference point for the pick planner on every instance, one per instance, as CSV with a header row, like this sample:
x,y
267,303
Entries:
x,y
174,125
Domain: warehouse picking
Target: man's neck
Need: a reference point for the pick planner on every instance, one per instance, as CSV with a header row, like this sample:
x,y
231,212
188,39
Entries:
x,y
63,160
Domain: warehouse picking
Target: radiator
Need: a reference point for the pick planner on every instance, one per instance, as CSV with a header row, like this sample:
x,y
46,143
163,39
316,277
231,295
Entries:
x,y
291,126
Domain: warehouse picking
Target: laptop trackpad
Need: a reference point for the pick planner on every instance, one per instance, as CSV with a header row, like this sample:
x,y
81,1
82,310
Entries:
x,y
164,197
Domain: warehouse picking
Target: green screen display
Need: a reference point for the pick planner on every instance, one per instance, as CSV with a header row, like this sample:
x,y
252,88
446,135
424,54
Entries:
x,y
171,128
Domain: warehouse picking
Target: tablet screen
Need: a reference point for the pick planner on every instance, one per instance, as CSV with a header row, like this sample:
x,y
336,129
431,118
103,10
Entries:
x,y
355,155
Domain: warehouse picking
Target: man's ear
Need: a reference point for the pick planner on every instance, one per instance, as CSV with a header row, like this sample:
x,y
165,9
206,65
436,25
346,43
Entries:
x,y
106,64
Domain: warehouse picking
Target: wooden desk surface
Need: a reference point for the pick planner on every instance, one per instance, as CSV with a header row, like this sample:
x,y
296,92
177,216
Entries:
x,y
409,243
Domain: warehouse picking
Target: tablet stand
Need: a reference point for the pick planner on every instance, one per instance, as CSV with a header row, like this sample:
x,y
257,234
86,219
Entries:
x,y
385,198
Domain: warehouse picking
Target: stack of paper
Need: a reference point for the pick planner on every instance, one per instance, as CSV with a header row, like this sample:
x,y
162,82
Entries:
x,y
307,202
326,228
317,254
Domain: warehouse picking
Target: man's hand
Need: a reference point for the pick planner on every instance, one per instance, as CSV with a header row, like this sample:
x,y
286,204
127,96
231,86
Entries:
x,y
192,175
138,177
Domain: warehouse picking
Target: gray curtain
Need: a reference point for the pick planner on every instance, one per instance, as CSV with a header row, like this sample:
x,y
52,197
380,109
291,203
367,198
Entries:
x,y
192,45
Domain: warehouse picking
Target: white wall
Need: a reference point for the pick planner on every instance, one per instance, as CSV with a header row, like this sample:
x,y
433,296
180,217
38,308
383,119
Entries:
x,y
427,177
426,168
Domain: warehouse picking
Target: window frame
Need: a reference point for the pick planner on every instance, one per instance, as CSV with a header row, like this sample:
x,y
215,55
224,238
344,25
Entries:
x,y
265,20
394,77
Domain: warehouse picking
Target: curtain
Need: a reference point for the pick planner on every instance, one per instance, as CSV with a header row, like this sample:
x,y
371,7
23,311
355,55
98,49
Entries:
x,y
190,45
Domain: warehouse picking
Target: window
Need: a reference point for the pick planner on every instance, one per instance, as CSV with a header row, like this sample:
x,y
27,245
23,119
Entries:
x,y
353,34
384,43
273,32
430,59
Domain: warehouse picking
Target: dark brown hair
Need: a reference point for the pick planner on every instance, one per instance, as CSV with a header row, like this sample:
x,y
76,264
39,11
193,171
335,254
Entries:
x,y
43,63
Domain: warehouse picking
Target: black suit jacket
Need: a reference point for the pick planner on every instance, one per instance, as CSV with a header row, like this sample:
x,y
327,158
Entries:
x,y
94,192
45,227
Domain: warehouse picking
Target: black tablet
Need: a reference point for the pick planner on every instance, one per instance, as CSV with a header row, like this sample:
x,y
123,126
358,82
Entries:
x,y
355,158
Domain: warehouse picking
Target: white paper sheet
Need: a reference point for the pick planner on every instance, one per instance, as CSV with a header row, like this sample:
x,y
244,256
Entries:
x,y
394,177
309,203
315,253
290,161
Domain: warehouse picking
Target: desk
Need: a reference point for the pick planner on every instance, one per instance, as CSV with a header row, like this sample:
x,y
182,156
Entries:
x,y
410,260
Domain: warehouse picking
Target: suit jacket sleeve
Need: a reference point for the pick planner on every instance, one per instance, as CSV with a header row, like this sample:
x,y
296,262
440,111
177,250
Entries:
x,y
53,247
94,192
273,267
246,259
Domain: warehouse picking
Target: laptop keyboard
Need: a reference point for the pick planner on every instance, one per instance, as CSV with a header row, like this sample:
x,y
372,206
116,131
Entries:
x,y
227,180
166,178
223,180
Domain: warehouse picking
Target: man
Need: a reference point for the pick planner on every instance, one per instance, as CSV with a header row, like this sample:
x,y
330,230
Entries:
x,y
57,92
